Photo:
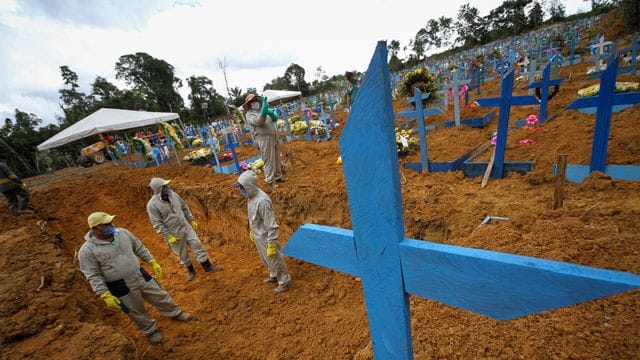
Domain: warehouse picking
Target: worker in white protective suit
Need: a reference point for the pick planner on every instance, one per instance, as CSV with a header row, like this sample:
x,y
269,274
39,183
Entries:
x,y
109,260
265,134
264,230
170,217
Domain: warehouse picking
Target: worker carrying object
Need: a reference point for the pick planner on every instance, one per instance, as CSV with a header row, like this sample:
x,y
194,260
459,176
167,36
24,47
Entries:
x,y
14,189
109,260
264,230
266,136
170,217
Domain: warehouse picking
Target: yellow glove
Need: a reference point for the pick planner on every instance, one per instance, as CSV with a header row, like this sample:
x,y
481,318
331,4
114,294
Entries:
x,y
23,186
194,224
271,248
156,268
251,237
111,301
172,239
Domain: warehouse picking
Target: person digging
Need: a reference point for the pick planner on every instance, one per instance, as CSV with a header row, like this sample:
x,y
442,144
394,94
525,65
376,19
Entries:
x,y
170,217
264,230
109,260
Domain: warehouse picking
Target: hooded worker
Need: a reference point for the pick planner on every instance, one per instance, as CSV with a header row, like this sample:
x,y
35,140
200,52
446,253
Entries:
x,y
170,217
109,260
14,189
265,135
264,230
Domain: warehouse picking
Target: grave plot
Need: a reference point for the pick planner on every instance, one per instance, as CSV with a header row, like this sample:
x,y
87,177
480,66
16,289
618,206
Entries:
x,y
498,285
604,103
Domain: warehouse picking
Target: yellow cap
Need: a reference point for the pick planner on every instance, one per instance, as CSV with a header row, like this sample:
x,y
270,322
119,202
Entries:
x,y
99,218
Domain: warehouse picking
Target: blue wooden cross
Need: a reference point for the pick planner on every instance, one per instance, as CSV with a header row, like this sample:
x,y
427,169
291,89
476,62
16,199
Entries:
x,y
572,48
455,85
392,267
531,74
600,50
420,113
505,101
605,103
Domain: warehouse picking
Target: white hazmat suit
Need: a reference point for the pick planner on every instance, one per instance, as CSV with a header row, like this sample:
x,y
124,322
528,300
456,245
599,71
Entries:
x,y
262,221
113,266
172,217
266,137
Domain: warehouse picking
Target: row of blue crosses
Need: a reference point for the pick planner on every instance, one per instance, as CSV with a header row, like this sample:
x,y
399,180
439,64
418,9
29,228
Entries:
x,y
504,103
499,285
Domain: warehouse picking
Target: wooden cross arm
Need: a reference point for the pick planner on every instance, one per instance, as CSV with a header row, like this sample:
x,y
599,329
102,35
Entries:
x,y
425,96
326,246
629,98
494,284
499,285
413,114
488,102
524,100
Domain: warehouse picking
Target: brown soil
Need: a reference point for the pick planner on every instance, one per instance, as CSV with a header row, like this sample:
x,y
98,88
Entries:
x,y
48,310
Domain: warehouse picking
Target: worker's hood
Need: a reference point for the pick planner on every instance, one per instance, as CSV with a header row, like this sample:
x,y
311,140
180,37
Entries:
x,y
249,181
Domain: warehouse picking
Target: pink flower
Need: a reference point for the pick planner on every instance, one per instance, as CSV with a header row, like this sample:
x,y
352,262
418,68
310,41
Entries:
x,y
526,142
244,165
494,140
532,119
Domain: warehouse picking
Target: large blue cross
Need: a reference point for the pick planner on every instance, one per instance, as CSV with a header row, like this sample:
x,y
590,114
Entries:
x,y
499,285
505,101
605,102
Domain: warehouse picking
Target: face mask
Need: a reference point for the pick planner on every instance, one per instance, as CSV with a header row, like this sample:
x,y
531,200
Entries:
x,y
109,230
244,192
165,192
255,106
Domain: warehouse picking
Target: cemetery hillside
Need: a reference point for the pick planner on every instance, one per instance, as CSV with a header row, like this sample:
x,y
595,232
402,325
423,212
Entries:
x,y
512,160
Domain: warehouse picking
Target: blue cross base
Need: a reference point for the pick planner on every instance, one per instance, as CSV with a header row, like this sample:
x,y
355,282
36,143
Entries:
x,y
577,173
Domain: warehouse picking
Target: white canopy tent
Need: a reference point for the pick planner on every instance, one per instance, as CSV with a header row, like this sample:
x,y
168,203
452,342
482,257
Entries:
x,y
106,120
275,95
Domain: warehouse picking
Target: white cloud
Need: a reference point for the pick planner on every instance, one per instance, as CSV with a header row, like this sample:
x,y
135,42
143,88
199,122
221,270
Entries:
x,y
259,40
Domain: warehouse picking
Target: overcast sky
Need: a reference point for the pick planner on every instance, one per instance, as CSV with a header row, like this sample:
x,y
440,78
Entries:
x,y
259,39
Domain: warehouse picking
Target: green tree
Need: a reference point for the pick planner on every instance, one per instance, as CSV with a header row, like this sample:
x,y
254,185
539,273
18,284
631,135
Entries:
x,y
203,92
394,47
104,91
508,19
631,12
536,15
237,97
295,76
75,105
19,139
395,64
153,77
467,23
418,45
556,10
